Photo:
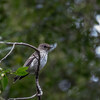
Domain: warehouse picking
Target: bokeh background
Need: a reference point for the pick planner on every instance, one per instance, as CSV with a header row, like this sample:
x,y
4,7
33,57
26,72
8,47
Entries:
x,y
73,68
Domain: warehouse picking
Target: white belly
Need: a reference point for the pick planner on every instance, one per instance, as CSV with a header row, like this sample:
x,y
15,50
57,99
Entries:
x,y
43,61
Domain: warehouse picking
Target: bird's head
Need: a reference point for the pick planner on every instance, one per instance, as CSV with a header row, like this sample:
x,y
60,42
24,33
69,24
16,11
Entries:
x,y
46,47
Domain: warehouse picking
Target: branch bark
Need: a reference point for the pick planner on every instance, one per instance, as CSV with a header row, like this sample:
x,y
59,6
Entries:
x,y
8,53
39,90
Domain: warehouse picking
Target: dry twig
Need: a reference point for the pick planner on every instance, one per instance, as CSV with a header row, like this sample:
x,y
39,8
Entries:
x,y
8,53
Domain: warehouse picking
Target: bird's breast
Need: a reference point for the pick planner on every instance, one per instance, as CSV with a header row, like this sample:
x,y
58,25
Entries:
x,y
43,60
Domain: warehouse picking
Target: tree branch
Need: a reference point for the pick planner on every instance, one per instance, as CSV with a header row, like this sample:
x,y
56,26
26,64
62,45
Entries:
x,y
39,90
20,43
8,53
24,98
37,79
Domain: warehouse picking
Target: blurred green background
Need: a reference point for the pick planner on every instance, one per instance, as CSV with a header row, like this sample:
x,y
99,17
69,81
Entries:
x,y
73,68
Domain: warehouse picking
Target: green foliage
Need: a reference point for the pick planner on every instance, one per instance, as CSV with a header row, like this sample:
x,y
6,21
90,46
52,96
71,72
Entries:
x,y
4,82
21,71
4,78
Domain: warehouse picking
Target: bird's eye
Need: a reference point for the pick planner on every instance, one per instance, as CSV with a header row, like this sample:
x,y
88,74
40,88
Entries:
x,y
44,46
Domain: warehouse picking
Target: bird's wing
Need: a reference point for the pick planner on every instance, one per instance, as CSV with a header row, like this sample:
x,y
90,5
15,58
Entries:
x,y
30,59
27,63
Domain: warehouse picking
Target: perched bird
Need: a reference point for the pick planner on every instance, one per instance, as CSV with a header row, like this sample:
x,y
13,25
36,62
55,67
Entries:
x,y
32,61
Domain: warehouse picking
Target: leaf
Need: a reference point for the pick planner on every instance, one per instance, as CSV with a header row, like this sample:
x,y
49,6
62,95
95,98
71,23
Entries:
x,y
7,71
4,82
21,71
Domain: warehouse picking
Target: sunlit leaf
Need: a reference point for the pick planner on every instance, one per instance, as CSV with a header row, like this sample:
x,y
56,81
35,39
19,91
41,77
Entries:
x,y
21,71
4,82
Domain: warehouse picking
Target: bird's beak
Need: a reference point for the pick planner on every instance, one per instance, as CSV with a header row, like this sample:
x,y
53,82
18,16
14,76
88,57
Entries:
x,y
52,47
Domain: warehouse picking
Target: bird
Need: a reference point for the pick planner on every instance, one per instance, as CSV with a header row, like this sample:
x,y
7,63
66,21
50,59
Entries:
x,y
32,61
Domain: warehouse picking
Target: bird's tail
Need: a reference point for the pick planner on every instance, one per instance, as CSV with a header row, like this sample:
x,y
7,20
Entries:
x,y
19,77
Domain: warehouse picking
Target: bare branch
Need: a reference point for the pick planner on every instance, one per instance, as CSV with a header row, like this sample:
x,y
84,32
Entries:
x,y
20,43
16,43
35,57
39,90
8,53
23,98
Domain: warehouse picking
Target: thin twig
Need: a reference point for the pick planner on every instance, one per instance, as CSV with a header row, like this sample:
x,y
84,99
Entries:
x,y
39,90
23,98
20,43
37,79
8,53
35,56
